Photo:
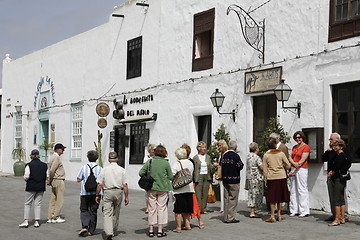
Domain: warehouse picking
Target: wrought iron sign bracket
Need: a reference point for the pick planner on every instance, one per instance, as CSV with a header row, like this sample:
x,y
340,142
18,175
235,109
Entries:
x,y
253,32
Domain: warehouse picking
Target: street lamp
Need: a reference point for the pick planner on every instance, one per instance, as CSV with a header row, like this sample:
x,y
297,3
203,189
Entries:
x,y
18,108
217,100
282,93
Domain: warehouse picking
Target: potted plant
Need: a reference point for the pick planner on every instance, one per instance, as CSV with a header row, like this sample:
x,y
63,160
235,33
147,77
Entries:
x,y
19,154
46,146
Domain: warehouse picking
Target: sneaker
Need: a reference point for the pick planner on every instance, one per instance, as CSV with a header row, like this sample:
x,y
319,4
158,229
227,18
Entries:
x,y
23,225
36,224
303,215
59,220
50,221
83,232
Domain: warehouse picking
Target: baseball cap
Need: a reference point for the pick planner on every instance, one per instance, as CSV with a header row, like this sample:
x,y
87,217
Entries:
x,y
59,146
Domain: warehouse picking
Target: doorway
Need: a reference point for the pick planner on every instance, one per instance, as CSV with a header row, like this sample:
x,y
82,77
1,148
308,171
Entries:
x,y
204,129
43,136
264,109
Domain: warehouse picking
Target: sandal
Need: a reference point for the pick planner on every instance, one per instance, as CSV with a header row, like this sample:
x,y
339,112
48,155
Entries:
x,y
334,223
177,230
270,220
151,234
279,219
185,228
161,234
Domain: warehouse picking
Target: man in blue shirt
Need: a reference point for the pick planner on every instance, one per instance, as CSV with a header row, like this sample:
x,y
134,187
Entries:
x,y
88,205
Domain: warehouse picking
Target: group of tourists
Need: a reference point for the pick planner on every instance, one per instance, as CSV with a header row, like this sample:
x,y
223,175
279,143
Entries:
x,y
190,200
278,172
273,175
108,183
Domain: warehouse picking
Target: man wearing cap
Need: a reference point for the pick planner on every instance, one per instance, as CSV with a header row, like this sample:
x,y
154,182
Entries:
x,y
113,181
57,182
35,177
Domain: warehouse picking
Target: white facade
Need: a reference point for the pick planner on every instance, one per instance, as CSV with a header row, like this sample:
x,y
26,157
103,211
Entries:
x,y
91,68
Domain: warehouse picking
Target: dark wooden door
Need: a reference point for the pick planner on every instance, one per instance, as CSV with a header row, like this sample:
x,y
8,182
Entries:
x,y
120,143
264,108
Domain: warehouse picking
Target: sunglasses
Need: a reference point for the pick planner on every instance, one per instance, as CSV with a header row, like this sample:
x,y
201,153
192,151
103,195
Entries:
x,y
298,137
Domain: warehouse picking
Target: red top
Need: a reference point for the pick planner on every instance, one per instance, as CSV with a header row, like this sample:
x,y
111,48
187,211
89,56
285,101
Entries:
x,y
297,153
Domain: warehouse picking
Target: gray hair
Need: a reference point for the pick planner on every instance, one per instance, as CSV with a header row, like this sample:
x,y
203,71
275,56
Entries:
x,y
336,135
181,153
253,146
275,135
232,144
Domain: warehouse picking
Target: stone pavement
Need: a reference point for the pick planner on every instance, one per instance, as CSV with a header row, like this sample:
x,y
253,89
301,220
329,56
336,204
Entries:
x,y
133,221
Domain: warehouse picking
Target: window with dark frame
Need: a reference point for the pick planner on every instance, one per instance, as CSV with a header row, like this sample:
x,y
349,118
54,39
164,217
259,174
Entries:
x,y
139,137
344,19
134,53
203,40
346,115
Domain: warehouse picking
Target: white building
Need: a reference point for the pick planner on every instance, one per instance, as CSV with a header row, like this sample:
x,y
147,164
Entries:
x,y
167,58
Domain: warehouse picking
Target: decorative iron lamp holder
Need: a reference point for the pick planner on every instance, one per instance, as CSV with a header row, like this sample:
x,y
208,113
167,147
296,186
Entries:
x,y
282,93
217,99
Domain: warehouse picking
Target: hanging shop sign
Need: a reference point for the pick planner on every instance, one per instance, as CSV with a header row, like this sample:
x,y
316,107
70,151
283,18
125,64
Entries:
x,y
102,109
138,100
102,123
262,80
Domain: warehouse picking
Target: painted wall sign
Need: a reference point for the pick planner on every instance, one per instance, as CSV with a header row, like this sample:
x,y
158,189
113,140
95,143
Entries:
x,y
44,80
140,99
262,80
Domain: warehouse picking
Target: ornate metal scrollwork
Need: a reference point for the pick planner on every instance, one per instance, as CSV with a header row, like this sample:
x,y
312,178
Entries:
x,y
253,32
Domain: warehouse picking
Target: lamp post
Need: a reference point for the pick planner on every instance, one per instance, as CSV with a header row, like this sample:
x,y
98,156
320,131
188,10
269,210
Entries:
x,y
282,93
18,108
217,100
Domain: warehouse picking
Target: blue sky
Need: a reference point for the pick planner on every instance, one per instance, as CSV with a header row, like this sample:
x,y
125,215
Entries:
x,y
29,25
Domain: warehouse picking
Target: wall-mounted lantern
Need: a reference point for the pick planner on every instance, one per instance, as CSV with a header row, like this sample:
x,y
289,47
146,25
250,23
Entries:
x,y
18,108
217,100
282,93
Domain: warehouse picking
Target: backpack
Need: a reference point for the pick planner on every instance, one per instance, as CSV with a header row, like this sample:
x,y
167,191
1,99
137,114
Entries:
x,y
91,184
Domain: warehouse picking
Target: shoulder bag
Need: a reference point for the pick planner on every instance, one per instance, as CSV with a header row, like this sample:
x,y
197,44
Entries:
x,y
345,176
146,182
181,178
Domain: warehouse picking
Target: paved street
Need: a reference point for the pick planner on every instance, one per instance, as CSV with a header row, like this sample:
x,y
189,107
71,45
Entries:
x,y
133,220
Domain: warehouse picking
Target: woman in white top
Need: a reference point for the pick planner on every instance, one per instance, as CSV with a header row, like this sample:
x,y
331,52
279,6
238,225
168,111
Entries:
x,y
202,175
183,206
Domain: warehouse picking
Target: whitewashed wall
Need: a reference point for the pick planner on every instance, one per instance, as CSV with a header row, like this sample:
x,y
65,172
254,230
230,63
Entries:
x,y
88,65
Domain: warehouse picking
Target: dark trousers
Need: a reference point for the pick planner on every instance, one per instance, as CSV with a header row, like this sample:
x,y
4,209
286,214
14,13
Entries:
x,y
331,187
88,212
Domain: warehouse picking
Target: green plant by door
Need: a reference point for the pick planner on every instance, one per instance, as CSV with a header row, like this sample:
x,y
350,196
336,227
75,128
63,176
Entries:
x,y
273,126
221,133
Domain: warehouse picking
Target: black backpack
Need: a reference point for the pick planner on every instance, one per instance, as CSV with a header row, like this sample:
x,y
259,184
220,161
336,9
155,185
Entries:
x,y
91,184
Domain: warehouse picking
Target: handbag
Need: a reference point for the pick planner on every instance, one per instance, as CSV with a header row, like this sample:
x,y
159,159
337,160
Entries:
x,y
211,195
345,177
146,182
218,175
182,178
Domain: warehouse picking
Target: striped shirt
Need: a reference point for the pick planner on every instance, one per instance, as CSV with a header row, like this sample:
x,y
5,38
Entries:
x,y
84,174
